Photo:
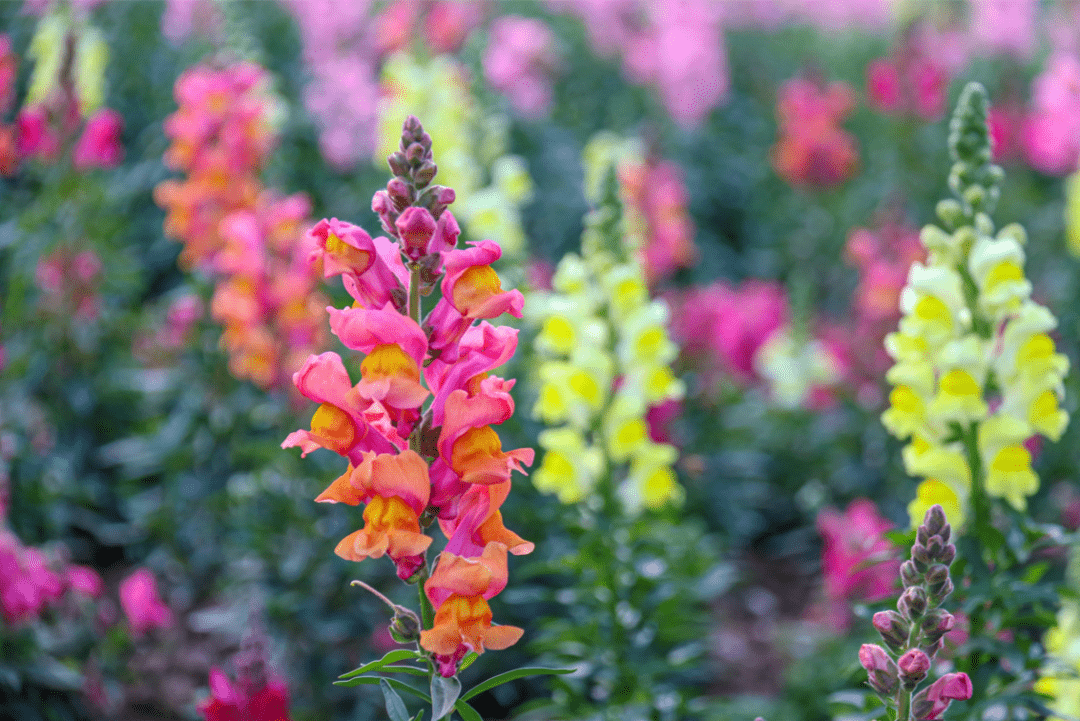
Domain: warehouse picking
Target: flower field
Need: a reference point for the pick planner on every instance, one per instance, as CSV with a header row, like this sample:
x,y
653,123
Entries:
x,y
564,360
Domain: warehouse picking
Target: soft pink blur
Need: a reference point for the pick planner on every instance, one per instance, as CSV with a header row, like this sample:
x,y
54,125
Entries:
x,y
676,47
1051,134
99,146
657,196
142,603
813,150
850,540
520,61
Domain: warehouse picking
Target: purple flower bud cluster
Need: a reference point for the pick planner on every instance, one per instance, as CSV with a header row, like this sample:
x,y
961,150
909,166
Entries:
x,y
412,209
913,633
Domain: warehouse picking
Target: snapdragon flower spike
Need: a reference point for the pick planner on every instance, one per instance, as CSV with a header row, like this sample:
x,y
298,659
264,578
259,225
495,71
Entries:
x,y
914,632
973,349
419,452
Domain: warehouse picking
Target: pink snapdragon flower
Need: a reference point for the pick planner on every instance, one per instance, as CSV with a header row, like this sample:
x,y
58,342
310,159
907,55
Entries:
x,y
520,61
853,542
677,48
813,149
1004,26
245,699
99,146
657,198
142,603
1052,130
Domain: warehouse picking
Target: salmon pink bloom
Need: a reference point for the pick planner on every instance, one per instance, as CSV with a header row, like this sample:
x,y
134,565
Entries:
x,y
343,247
477,521
342,423
459,589
396,488
471,290
395,347
482,349
469,445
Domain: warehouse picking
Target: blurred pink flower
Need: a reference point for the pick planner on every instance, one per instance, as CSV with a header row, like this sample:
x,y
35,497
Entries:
x,y
184,18
853,544
1004,26
1051,133
813,150
1006,123
520,61
36,137
240,701
85,580
675,46
722,327
657,196
99,146
142,604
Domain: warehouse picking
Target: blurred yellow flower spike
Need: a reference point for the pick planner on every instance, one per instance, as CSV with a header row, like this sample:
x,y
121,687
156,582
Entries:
x,y
606,359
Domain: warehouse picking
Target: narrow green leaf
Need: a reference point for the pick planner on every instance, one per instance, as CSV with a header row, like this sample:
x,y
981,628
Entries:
x,y
419,716
467,712
399,685
393,656
467,661
395,707
444,692
510,676
402,668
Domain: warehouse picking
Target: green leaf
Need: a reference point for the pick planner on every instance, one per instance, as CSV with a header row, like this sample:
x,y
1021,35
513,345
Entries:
x,y
468,660
510,676
419,716
402,668
395,707
1035,572
399,685
444,693
399,655
467,712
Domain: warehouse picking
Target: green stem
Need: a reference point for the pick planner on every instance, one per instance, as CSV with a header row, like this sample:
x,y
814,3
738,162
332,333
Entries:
x,y
427,611
415,313
903,704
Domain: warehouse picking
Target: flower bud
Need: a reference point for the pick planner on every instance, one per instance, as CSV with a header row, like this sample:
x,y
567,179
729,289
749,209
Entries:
x,y
909,575
400,193
932,701
415,228
880,668
947,555
936,576
937,623
922,535
415,154
912,603
913,665
933,547
424,174
931,648
436,198
405,628
934,520
920,557
399,165
893,628
941,594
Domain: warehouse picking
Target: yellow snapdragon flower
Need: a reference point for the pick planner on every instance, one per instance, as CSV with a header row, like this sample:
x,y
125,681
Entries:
x,y
976,371
607,359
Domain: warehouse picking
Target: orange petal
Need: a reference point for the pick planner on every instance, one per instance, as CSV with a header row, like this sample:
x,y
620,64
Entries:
x,y
499,637
342,491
